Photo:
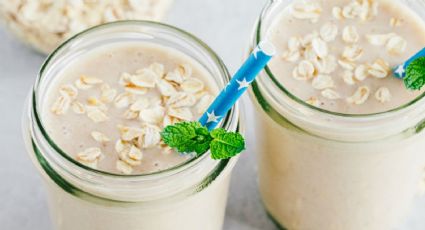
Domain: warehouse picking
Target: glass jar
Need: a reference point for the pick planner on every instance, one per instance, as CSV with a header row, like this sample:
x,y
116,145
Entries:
x,y
189,196
325,170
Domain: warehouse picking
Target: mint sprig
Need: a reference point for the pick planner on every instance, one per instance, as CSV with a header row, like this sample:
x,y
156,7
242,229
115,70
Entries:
x,y
188,137
415,74
226,144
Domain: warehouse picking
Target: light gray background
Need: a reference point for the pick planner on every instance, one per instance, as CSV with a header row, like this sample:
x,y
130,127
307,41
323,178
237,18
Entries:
x,y
223,24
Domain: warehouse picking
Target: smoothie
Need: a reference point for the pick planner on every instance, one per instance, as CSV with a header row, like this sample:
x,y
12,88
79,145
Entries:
x,y
337,55
92,130
340,138
113,102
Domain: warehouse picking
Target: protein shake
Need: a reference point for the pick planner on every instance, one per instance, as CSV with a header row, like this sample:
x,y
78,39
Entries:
x,y
98,107
339,135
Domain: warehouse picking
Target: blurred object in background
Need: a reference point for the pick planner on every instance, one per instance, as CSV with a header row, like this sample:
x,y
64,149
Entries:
x,y
44,24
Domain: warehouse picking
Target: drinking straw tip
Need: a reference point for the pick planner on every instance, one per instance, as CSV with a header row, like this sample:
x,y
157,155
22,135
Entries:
x,y
238,84
267,47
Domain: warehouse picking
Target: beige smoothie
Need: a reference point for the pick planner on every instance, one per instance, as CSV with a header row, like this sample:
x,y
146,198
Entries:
x,y
339,56
93,130
339,146
114,102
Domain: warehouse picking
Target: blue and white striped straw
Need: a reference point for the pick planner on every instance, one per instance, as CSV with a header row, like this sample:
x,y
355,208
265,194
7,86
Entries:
x,y
239,83
400,70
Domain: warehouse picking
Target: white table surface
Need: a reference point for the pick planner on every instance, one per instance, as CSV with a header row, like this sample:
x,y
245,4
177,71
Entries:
x,y
223,24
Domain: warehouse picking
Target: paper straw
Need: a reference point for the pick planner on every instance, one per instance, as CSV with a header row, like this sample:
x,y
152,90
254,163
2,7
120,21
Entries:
x,y
400,70
239,83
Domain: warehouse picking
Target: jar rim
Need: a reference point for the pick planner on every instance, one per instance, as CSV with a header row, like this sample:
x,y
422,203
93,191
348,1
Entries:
x,y
144,23
258,36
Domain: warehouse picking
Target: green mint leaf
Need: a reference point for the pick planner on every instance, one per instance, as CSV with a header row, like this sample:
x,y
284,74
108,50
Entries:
x,y
201,143
415,74
226,144
187,137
